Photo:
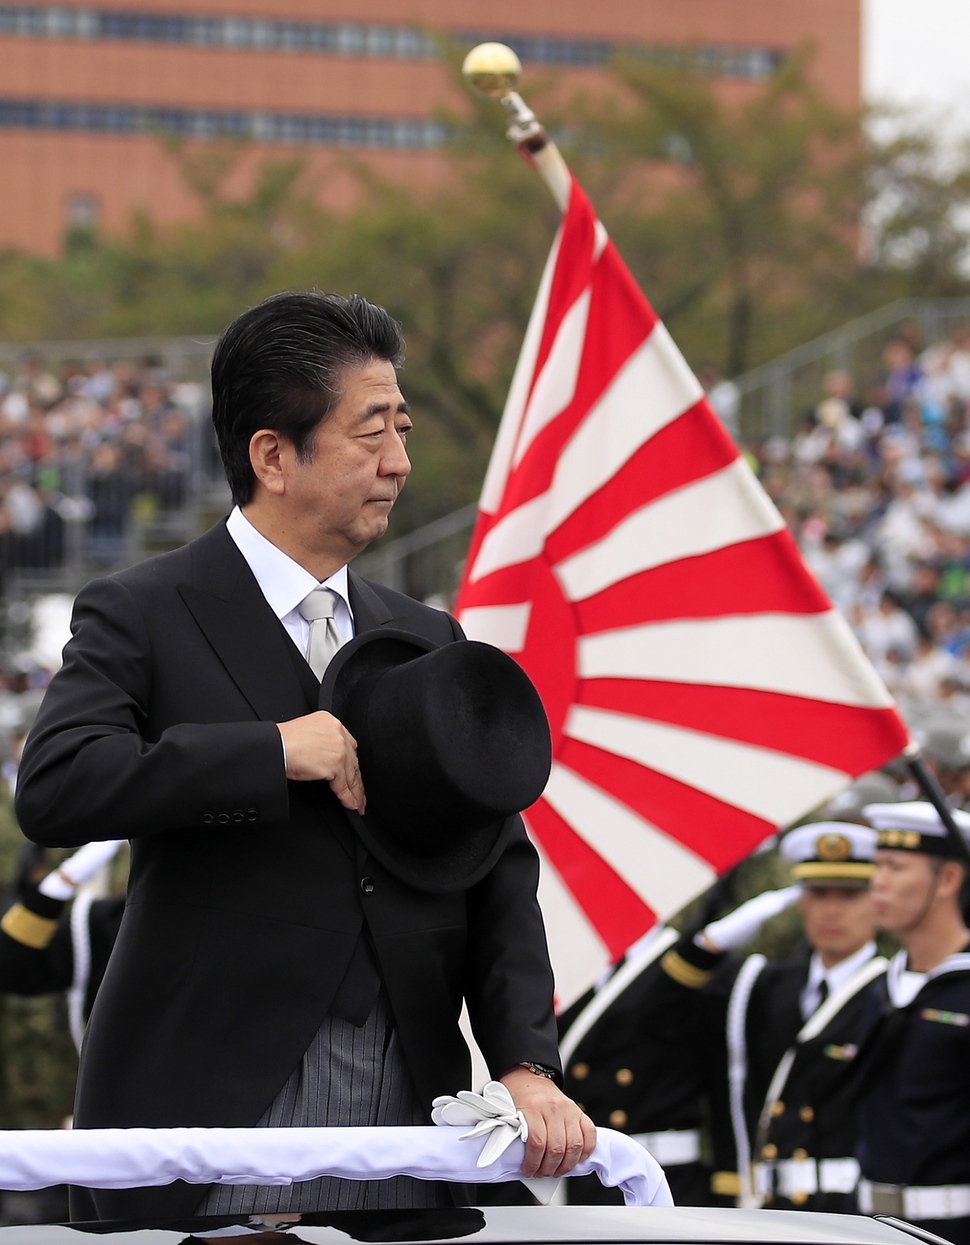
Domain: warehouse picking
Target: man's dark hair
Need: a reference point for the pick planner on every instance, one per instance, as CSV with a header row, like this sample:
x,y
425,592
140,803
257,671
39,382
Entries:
x,y
279,365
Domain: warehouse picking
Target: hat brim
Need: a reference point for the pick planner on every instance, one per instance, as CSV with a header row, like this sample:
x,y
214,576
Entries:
x,y
365,658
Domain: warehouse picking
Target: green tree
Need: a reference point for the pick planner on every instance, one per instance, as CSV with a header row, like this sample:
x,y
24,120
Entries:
x,y
739,215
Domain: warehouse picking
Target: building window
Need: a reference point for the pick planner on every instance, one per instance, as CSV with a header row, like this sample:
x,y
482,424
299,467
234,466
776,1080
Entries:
x,y
400,133
268,34
83,210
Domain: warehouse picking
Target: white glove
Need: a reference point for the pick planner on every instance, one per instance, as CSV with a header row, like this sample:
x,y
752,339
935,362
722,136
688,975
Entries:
x,y
491,1111
86,862
739,927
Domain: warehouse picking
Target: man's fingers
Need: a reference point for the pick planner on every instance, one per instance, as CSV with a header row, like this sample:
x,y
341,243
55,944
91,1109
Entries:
x,y
555,1153
535,1147
349,788
574,1148
357,786
589,1136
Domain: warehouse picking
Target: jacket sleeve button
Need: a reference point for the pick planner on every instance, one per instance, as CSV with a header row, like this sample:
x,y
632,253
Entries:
x,y
238,815
207,819
252,814
223,819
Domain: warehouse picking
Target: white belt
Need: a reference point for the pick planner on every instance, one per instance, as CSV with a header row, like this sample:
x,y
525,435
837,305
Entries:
x,y
941,1201
787,1177
673,1147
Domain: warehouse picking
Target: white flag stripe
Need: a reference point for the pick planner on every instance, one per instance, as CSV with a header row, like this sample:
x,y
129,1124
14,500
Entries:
x,y
811,655
652,388
505,626
519,537
703,516
582,956
497,474
556,383
601,239
663,872
615,428
770,785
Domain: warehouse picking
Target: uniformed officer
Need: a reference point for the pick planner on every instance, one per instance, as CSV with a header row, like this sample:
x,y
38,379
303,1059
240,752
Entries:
x,y
914,1147
805,1129
46,946
808,1164
639,1053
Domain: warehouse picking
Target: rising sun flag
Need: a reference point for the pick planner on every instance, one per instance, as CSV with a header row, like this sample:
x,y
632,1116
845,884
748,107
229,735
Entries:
x,y
701,688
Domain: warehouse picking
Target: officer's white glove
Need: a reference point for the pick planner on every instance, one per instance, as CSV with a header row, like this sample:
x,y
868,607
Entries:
x,y
739,927
86,862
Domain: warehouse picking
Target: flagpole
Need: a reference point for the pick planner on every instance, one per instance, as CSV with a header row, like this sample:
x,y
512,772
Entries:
x,y
930,788
493,70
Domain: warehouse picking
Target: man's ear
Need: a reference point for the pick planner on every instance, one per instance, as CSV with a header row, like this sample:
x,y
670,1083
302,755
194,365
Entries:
x,y
264,455
952,876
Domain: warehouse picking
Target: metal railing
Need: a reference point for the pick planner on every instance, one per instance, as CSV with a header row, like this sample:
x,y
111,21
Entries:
x,y
87,492
427,563
775,395
90,523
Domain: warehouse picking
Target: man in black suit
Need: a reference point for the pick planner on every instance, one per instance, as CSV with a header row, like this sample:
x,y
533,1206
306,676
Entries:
x,y
269,969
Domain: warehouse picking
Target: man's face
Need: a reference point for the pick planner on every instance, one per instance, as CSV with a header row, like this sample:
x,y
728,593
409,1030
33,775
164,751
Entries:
x,y
838,919
340,500
901,889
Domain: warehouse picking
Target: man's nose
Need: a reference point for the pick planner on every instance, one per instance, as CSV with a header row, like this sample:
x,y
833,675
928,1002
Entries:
x,y
396,461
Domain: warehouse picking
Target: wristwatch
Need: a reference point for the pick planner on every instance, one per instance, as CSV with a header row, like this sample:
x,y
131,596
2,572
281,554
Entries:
x,y
539,1069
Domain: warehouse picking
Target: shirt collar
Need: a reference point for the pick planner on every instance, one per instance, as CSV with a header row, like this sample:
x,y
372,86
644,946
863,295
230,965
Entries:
x,y
840,973
283,582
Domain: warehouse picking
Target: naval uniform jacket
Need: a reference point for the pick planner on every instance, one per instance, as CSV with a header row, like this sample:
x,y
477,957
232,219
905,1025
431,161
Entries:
x,y
765,1021
644,1066
812,1114
915,1116
47,964
249,894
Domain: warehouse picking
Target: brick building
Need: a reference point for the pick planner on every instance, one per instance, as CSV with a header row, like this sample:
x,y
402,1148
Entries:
x,y
87,87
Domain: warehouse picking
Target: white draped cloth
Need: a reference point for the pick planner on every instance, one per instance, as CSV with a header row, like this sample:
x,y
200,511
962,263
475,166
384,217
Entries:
x,y
119,1158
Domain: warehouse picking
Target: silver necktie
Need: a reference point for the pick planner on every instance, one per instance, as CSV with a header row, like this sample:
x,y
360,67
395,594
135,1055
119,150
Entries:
x,y
325,639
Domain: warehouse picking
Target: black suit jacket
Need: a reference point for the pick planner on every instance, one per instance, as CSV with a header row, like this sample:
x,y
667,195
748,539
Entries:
x,y
245,900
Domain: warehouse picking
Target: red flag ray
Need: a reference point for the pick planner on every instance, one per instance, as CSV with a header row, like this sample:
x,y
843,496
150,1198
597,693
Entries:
x,y
700,687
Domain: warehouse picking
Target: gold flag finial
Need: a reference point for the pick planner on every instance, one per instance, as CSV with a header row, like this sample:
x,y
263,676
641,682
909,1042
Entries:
x,y
492,69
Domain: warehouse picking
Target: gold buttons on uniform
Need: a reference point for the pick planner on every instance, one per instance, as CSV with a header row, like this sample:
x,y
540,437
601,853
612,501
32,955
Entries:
x,y
769,1152
799,1154
777,1108
624,1077
806,1114
799,1198
618,1119
580,1071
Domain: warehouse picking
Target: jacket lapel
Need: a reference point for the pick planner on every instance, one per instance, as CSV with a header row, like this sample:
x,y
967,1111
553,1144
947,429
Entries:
x,y
369,610
250,641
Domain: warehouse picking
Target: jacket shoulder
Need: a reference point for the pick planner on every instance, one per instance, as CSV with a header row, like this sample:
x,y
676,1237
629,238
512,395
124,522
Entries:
x,y
412,614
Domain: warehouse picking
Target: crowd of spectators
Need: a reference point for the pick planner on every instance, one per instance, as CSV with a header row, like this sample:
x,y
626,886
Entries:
x,y
876,488
874,484
86,451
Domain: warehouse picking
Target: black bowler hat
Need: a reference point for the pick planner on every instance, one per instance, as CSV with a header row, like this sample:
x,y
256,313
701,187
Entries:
x,y
452,740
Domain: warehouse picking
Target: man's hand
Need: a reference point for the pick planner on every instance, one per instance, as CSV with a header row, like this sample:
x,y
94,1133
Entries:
x,y
560,1135
319,747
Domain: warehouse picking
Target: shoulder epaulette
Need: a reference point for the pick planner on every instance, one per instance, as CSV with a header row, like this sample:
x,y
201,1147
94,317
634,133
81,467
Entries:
x,y
690,965
27,927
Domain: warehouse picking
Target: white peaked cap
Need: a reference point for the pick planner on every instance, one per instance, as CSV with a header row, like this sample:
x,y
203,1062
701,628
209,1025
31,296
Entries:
x,y
915,826
830,852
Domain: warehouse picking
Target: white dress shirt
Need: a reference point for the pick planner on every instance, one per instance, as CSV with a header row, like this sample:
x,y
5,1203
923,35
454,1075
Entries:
x,y
286,584
836,977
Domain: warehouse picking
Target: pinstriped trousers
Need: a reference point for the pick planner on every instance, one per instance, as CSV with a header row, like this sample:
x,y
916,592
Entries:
x,y
349,1077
